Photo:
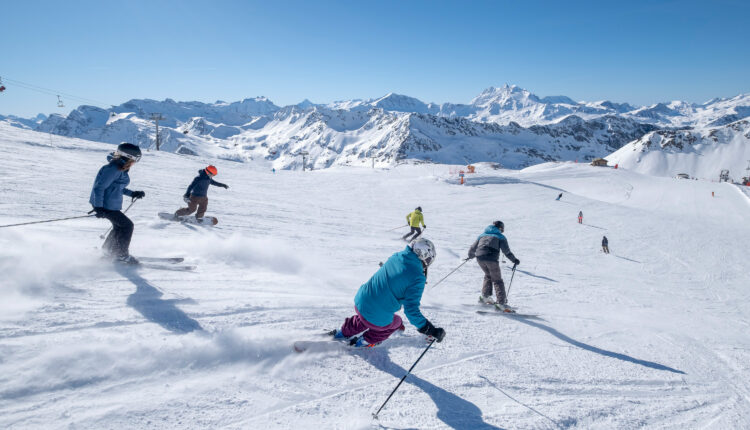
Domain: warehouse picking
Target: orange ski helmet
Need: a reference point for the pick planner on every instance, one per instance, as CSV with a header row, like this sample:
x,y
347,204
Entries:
x,y
211,170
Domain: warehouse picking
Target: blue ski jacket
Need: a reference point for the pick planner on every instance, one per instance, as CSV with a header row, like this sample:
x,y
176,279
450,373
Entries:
x,y
109,186
199,186
399,282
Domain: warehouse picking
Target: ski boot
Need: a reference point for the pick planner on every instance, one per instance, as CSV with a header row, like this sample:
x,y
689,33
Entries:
x,y
336,334
486,300
128,260
503,307
360,342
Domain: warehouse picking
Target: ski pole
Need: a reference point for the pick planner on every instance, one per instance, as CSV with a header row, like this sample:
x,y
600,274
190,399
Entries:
x,y
401,226
110,228
375,415
451,272
510,284
49,220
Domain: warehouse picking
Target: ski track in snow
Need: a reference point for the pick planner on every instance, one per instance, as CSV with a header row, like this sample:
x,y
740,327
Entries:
x,y
652,335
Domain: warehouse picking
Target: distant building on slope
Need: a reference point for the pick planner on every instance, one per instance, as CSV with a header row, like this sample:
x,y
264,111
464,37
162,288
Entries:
x,y
600,162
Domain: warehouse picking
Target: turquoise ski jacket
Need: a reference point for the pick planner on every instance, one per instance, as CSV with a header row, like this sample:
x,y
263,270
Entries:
x,y
400,282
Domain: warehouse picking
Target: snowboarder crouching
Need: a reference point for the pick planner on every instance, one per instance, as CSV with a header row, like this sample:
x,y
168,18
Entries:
x,y
413,220
106,197
196,195
487,249
399,282
605,245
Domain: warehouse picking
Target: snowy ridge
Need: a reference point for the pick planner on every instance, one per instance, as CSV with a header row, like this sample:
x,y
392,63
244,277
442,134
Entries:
x,y
506,125
701,153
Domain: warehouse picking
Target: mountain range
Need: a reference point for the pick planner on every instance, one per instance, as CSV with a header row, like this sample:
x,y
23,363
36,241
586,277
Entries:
x,y
507,125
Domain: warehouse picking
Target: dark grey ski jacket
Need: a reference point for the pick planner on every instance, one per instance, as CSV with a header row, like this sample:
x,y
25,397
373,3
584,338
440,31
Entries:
x,y
488,245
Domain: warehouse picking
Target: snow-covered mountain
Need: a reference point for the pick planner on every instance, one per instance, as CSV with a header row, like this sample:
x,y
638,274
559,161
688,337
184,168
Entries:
x,y
27,123
506,125
700,153
355,137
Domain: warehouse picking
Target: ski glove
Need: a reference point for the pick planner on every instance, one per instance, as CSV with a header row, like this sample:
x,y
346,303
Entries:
x,y
100,212
138,195
516,262
226,187
186,198
430,330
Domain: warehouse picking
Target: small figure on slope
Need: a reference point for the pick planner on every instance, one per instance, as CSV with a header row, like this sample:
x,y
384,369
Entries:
x,y
580,217
413,220
605,245
106,197
196,195
559,196
400,281
487,249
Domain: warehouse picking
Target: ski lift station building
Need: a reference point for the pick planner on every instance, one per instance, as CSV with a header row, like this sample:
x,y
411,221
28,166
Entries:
x,y
599,162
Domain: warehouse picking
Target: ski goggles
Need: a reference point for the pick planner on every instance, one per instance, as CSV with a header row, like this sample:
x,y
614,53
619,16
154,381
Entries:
x,y
135,158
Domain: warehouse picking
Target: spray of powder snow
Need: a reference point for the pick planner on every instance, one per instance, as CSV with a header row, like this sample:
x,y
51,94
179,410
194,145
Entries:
x,y
35,265
92,360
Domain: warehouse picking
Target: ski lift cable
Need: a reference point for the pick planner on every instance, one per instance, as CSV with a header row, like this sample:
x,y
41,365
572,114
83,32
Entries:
x,y
52,92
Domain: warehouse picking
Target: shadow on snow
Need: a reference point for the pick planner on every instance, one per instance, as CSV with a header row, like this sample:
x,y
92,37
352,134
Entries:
x,y
454,411
596,350
147,300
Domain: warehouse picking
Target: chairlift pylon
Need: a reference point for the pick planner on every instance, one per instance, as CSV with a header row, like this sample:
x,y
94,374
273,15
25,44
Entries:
x,y
60,102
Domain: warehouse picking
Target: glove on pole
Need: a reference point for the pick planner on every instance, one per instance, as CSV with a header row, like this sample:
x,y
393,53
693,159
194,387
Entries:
x,y
375,415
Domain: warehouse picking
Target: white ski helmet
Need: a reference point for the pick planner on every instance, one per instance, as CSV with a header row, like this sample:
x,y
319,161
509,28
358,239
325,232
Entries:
x,y
424,249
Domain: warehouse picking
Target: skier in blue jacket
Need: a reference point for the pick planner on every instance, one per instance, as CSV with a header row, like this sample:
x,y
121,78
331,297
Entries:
x,y
106,197
399,282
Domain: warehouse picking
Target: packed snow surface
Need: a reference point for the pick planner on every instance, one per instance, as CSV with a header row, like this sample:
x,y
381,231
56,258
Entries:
x,y
652,335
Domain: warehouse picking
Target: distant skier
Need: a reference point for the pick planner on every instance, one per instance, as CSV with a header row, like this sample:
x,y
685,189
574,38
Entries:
x,y
400,281
196,195
487,250
413,220
580,217
559,196
106,197
605,245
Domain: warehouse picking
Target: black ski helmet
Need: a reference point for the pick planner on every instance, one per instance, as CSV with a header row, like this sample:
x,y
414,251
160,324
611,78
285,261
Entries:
x,y
500,226
129,151
419,208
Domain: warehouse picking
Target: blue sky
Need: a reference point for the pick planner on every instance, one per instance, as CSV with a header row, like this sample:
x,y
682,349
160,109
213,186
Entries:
x,y
640,52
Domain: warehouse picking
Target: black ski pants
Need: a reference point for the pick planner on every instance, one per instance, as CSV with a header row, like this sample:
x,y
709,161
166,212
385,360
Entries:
x,y
118,242
413,229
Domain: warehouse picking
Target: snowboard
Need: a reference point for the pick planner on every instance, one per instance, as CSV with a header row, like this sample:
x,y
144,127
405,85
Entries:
x,y
190,219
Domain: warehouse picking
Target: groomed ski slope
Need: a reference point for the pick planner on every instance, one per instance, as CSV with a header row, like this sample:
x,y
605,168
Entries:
x,y
653,335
